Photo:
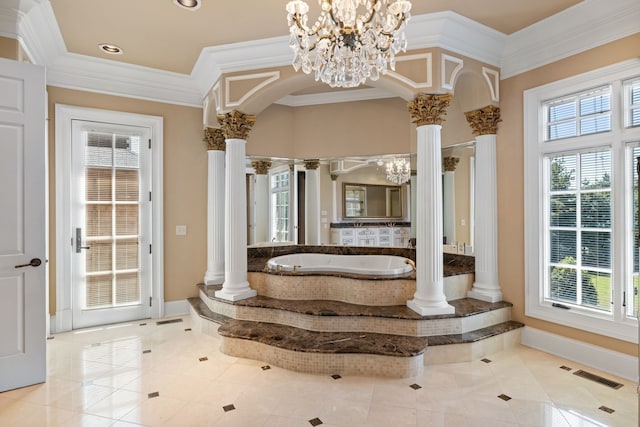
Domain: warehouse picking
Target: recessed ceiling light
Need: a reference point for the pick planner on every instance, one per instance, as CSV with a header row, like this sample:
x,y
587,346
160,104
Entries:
x,y
111,49
188,4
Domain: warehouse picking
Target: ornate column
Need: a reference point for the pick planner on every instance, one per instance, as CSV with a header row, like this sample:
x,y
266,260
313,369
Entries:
x,y
312,202
261,199
235,126
334,198
484,123
293,191
449,198
413,185
427,112
215,206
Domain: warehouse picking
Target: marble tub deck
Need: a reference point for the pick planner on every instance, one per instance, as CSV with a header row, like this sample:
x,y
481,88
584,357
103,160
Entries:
x,y
257,258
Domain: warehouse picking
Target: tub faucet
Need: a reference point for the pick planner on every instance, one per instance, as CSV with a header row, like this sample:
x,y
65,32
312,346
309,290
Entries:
x,y
411,263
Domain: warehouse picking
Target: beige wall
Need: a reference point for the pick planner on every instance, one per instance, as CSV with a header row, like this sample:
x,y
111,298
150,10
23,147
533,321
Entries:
x,y
345,129
185,186
9,48
510,155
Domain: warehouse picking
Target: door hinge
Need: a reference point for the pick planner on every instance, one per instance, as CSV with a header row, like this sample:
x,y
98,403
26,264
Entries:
x,y
150,299
149,143
149,248
149,195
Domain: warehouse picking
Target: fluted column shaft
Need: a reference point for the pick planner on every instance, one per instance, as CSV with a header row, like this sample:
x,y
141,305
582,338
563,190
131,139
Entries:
x,y
486,286
334,198
215,206
429,298
235,126
261,199
312,202
449,199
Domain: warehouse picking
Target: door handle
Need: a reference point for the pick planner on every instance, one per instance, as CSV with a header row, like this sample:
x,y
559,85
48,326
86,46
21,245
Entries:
x,y
35,262
79,246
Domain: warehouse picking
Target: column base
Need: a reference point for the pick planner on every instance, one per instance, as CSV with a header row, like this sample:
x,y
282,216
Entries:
x,y
423,310
236,295
488,295
211,278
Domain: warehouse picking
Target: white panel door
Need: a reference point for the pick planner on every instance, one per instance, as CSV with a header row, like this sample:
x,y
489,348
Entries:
x,y
22,225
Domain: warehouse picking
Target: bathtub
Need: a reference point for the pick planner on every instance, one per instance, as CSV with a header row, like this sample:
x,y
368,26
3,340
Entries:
x,y
370,265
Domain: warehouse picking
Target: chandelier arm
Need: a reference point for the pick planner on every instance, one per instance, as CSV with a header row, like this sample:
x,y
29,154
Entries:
x,y
334,20
372,14
315,43
307,31
401,19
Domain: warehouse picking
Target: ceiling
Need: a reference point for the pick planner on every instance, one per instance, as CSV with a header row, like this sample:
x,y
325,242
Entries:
x,y
160,35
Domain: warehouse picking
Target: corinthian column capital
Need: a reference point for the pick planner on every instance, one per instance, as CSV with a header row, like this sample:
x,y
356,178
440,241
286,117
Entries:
x,y
450,163
214,139
236,125
485,120
261,166
311,164
429,109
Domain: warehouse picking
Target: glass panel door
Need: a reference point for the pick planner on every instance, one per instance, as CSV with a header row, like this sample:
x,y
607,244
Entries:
x,y
109,268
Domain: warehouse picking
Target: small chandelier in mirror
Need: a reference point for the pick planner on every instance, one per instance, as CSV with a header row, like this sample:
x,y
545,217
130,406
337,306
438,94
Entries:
x,y
352,40
399,171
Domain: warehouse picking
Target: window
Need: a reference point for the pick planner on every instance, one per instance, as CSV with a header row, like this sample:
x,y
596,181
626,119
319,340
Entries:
x,y
582,139
280,206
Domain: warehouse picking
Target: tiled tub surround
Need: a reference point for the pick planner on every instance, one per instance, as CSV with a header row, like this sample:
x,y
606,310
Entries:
x,y
335,316
347,353
354,288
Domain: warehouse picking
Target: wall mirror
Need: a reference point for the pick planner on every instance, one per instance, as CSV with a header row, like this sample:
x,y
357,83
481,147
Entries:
x,y
371,201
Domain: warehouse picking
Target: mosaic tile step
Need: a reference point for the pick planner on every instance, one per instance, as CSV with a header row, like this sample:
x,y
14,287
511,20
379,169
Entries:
x,y
464,307
205,312
304,341
477,335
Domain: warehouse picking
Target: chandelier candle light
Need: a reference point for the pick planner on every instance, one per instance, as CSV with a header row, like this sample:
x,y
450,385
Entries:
x,y
352,40
399,171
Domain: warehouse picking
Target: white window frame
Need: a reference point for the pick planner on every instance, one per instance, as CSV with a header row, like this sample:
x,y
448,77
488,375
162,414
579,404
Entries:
x,y
536,148
277,171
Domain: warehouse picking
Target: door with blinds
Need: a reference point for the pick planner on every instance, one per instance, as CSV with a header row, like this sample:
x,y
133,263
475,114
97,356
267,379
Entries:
x,y
111,223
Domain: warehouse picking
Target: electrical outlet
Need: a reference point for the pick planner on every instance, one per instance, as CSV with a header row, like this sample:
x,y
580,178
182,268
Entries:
x,y
181,230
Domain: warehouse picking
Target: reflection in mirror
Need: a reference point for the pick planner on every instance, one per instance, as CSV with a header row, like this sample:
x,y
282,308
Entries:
x,y
458,162
371,201
287,218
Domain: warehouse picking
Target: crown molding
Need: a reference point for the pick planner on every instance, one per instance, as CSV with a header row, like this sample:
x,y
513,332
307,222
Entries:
x,y
244,56
579,28
456,33
99,75
569,32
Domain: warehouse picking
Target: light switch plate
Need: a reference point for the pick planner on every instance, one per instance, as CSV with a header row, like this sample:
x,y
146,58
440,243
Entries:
x,y
181,230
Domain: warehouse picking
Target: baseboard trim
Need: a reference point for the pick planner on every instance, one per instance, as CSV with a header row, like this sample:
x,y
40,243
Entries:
x,y
613,362
176,308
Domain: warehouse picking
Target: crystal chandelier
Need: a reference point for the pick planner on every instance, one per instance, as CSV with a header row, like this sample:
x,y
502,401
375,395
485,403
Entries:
x,y
399,171
351,41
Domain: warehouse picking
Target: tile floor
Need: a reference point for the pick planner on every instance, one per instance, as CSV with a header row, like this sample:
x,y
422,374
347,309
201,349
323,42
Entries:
x,y
141,373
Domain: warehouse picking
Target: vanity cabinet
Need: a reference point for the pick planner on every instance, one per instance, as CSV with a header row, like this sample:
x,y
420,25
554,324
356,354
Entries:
x,y
371,236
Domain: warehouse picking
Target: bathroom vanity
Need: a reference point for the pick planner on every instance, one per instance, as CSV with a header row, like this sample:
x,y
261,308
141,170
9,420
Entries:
x,y
370,234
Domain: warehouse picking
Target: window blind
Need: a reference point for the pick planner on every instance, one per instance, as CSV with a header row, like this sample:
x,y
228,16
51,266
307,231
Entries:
x,y
112,183
579,233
